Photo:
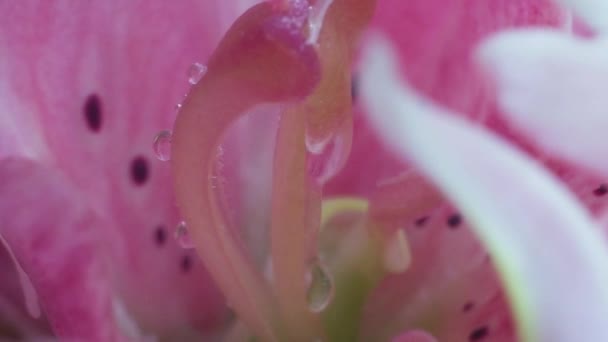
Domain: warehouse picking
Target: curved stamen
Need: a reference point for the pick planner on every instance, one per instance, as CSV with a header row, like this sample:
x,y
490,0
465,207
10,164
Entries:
x,y
296,197
241,74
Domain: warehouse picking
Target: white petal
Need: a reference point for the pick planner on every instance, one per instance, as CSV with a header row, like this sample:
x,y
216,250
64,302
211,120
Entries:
x,y
553,88
549,253
594,12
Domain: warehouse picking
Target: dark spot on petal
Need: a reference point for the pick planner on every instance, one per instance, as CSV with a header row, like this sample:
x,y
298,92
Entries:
x,y
479,333
354,88
92,112
139,170
160,235
186,263
421,221
454,221
601,190
468,306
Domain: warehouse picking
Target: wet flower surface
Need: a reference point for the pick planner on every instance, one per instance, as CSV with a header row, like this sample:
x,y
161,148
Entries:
x,y
315,182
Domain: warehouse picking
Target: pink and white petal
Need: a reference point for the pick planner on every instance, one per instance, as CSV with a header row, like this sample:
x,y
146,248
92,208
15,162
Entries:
x,y
54,241
104,56
110,51
550,86
593,12
443,70
514,206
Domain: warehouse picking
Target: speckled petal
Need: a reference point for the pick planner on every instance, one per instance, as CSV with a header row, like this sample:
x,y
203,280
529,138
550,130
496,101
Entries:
x,y
55,243
514,206
437,39
85,90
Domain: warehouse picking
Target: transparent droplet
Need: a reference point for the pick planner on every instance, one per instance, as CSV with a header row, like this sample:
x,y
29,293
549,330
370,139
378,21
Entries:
x,y
182,236
178,106
315,19
195,72
162,145
323,164
316,145
321,288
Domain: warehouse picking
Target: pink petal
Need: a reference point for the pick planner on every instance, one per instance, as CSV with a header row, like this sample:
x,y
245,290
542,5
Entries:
x,y
111,50
550,86
55,243
15,321
403,196
450,288
436,39
472,167
415,336
107,48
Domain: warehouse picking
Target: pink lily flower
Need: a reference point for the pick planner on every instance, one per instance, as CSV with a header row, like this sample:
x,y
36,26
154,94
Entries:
x,y
308,226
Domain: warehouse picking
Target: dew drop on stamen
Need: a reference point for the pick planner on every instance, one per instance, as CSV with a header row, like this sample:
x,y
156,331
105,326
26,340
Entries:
x,y
321,288
182,236
195,72
325,163
162,145
316,145
316,17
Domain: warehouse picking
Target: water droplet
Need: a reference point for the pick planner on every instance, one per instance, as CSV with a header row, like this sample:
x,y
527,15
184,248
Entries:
x,y
195,72
325,163
178,106
162,145
397,254
315,19
316,145
182,236
321,288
